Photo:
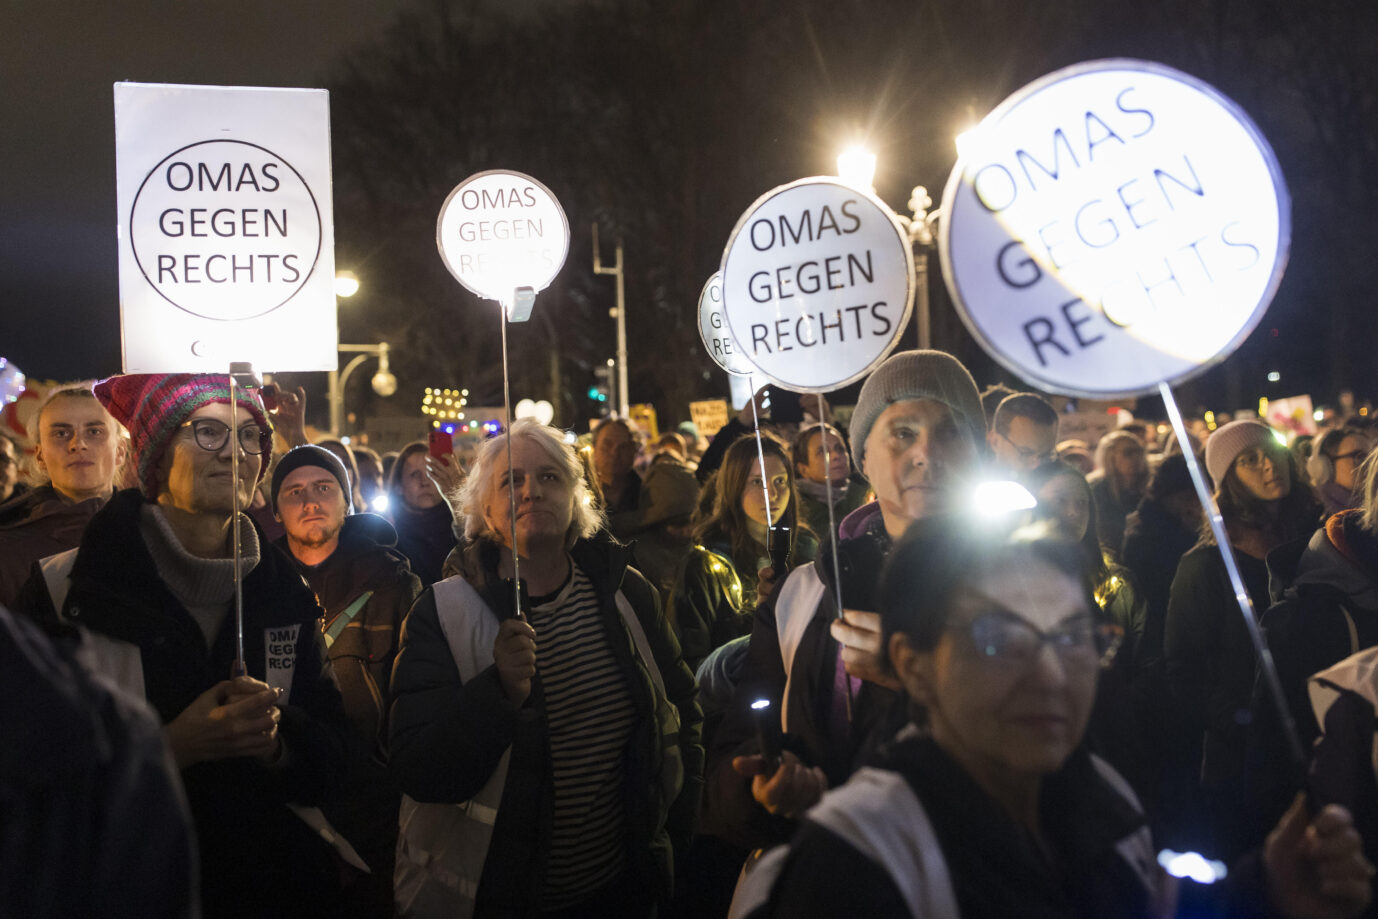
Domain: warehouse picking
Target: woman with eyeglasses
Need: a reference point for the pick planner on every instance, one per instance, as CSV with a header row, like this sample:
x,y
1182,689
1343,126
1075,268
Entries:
x,y
1334,467
1209,657
153,586
987,804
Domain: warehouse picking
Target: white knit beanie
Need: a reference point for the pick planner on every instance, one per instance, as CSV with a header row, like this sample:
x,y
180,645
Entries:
x,y
1232,439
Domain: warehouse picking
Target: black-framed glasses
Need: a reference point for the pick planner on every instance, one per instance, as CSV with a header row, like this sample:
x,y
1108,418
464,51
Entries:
x,y
1081,643
212,435
1028,453
1358,456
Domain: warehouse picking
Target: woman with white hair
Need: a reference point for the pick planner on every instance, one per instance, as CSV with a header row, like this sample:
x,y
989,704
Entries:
x,y
567,731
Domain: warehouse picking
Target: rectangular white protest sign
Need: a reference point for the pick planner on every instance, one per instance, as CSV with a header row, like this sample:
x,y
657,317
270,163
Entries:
x,y
226,229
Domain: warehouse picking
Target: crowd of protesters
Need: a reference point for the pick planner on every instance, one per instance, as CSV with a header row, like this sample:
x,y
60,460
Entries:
x,y
799,671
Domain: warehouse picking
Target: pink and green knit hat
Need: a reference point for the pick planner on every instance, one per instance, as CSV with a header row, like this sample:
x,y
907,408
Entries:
x,y
152,406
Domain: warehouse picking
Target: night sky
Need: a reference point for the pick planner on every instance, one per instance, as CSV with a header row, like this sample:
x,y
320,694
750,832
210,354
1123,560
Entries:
x,y
59,295
59,316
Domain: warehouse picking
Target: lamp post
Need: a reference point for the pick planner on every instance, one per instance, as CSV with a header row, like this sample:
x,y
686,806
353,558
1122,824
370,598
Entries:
x,y
384,383
621,313
857,167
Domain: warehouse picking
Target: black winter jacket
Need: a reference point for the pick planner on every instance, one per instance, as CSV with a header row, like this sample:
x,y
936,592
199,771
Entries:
x,y
362,656
257,857
446,737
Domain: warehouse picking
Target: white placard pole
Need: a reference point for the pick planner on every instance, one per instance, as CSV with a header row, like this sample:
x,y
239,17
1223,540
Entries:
x,y
245,375
832,526
1241,593
504,236
761,458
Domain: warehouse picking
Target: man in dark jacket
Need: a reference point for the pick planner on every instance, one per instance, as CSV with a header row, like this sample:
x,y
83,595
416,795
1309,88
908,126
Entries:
x,y
153,585
365,587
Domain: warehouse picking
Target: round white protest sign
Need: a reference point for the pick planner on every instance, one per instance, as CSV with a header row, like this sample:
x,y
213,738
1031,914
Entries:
x,y
225,229
1112,226
500,230
717,340
817,284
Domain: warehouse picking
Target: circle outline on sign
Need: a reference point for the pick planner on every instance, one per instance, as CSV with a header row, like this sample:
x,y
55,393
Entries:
x,y
1241,118
440,221
900,236
315,206
703,337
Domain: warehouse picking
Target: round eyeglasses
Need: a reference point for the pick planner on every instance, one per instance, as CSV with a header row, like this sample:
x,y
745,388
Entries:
x,y
212,435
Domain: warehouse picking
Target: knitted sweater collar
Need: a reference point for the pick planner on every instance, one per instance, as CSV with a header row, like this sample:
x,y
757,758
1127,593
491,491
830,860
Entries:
x,y
195,582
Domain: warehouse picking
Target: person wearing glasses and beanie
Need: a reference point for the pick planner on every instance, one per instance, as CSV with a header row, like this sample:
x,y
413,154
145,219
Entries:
x,y
152,587
987,803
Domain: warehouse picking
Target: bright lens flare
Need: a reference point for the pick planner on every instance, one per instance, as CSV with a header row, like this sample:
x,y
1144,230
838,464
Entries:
x,y
992,499
1191,865
857,167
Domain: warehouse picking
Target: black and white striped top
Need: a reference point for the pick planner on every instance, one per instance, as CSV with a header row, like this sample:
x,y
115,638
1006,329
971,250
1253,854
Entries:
x,y
589,715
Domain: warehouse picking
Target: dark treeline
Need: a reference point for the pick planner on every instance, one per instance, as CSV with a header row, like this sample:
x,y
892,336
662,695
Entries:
x,y
662,121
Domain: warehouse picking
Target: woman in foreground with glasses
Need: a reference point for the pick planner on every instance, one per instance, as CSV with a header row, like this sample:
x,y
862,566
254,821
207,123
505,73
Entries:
x,y
987,804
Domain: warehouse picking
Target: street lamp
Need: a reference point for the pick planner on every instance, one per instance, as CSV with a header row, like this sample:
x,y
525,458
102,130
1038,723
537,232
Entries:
x,y
384,383
857,167
346,284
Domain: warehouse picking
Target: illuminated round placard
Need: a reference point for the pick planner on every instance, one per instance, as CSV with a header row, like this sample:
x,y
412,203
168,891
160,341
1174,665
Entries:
x,y
717,338
1114,225
501,230
818,283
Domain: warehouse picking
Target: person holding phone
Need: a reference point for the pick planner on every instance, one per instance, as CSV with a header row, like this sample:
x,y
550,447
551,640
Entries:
x,y
718,585
424,523
918,434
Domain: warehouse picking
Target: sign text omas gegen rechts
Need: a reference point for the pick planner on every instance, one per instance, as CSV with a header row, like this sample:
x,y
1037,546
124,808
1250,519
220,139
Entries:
x,y
225,229
1112,226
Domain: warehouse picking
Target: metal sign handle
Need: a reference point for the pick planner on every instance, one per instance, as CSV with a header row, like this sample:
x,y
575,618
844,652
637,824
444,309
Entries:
x,y
1246,608
242,374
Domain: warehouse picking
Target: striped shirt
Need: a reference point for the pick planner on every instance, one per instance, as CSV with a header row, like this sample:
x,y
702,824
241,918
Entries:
x,y
589,715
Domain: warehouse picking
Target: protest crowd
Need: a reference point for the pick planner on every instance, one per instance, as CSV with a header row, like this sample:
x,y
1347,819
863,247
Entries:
x,y
794,673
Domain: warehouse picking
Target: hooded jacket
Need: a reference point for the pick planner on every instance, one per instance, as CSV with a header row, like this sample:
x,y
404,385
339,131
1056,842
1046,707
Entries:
x,y
365,567
1326,609
448,736
365,562
34,525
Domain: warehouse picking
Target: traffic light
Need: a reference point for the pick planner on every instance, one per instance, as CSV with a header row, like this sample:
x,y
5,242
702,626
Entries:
x,y
599,391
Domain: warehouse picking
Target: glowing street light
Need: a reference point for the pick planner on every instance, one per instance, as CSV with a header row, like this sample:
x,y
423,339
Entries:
x,y
857,167
346,283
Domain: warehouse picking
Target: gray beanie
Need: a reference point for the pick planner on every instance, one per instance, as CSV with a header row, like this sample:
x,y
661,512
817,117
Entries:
x,y
934,375
1230,440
